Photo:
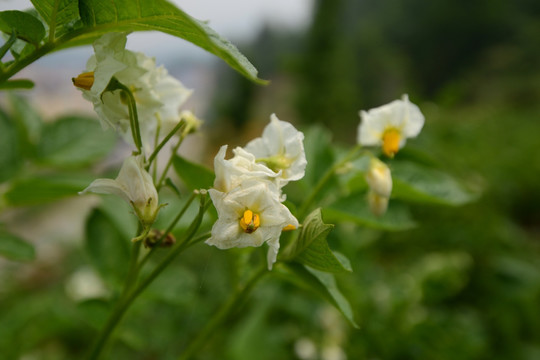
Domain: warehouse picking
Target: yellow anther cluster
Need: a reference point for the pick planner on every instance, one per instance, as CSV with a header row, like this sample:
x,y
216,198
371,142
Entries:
x,y
391,139
250,221
84,80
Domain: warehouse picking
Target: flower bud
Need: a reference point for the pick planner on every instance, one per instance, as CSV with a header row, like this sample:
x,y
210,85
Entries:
x,y
134,185
379,178
377,204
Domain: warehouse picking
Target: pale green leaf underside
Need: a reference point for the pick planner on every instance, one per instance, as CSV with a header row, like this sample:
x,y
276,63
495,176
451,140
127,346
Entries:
x,y
127,15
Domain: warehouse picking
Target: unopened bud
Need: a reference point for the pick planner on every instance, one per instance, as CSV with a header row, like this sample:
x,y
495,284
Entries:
x,y
377,204
379,178
192,122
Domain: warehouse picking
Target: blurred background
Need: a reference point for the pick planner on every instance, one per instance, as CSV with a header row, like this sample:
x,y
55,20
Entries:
x,y
463,284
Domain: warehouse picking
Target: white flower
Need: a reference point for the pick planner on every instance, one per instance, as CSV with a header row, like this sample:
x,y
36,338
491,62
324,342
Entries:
x,y
281,147
134,185
390,125
158,96
379,178
230,173
250,215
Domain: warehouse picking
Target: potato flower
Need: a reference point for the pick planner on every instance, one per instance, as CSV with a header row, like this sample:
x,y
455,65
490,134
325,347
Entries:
x,y
390,125
158,96
281,148
249,215
230,173
134,185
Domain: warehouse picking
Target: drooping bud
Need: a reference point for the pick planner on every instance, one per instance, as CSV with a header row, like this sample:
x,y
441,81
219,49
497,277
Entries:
x,y
379,178
192,122
377,204
84,80
134,185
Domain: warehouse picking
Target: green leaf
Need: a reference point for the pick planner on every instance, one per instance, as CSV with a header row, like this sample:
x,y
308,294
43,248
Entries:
x,y
418,183
14,248
321,283
17,84
144,15
45,188
311,247
27,27
10,152
74,141
354,208
195,176
29,122
60,15
107,248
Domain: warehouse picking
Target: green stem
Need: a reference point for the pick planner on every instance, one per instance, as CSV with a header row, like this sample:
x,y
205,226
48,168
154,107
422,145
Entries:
x,y
5,48
163,142
168,230
24,62
222,315
126,300
133,271
302,212
169,163
132,109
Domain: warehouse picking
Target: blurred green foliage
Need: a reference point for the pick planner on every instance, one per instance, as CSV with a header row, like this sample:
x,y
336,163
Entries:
x,y
463,284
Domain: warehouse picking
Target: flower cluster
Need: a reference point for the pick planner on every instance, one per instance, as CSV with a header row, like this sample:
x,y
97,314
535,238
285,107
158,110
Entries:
x,y
247,189
157,94
387,126
142,102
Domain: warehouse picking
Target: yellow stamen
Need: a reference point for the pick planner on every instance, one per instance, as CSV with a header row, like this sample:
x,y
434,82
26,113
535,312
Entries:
x,y
289,227
391,139
84,80
250,221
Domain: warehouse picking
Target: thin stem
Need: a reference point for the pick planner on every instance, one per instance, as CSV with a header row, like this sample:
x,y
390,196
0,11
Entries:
x,y
5,48
132,109
163,142
133,271
302,212
222,315
156,139
125,302
169,229
169,163
199,239
24,62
